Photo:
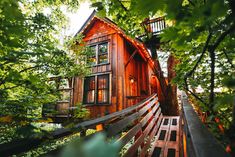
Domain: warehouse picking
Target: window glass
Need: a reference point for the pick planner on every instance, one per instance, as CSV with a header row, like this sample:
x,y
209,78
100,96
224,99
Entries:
x,y
103,53
90,96
102,96
103,48
89,90
103,89
92,59
103,59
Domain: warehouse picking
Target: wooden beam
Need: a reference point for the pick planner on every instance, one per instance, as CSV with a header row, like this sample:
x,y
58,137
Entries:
x,y
131,57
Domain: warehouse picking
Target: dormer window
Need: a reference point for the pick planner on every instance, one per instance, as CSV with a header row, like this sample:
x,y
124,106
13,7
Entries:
x,y
100,54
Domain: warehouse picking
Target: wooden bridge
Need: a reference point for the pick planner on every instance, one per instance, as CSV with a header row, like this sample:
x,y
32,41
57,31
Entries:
x,y
150,132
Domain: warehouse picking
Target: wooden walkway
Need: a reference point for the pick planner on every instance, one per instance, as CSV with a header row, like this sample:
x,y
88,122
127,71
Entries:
x,y
168,138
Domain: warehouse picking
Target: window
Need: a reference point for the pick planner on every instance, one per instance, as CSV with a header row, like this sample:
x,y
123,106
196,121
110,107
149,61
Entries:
x,y
103,89
100,52
89,90
103,53
98,85
92,59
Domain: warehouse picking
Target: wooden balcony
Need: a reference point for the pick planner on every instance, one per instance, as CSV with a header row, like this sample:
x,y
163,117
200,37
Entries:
x,y
154,26
62,109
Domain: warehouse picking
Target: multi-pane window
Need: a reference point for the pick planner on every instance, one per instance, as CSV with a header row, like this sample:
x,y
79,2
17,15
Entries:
x,y
89,90
96,90
100,54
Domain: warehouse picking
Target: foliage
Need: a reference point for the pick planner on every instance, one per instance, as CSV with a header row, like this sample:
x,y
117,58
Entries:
x,y
30,54
81,112
50,145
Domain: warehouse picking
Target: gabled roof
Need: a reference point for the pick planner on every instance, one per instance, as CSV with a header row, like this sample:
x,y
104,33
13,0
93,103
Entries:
x,y
138,44
86,22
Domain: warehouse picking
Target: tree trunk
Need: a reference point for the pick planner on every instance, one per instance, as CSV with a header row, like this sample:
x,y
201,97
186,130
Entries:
x,y
168,98
172,88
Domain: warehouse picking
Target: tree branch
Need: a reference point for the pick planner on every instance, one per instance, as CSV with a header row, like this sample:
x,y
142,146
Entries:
x,y
202,54
196,96
222,36
229,61
191,3
29,68
123,7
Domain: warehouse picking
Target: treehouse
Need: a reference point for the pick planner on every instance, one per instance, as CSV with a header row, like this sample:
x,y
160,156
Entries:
x,y
122,72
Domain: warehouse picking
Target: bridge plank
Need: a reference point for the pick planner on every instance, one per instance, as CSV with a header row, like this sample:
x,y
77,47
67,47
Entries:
x,y
120,125
132,150
164,145
148,106
129,135
153,132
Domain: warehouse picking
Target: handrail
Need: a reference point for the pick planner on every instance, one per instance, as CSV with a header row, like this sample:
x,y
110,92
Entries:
x,y
198,140
19,146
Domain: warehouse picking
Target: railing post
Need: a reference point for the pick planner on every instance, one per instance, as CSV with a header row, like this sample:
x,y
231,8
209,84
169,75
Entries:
x,y
99,127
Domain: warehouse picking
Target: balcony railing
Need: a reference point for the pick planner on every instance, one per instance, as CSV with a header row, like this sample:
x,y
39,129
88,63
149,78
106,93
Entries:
x,y
154,26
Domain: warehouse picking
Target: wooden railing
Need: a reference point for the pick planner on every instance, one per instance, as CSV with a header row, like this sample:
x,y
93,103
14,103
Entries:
x,y
197,140
113,124
61,108
155,26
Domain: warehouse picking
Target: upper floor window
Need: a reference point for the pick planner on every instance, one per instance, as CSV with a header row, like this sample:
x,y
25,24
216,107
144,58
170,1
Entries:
x,y
100,54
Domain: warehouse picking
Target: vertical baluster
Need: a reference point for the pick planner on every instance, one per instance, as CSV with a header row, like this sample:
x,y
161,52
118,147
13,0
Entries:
x,y
164,23
158,24
149,26
154,28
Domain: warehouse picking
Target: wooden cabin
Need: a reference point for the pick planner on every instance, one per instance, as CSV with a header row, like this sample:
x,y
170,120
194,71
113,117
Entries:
x,y
121,68
122,72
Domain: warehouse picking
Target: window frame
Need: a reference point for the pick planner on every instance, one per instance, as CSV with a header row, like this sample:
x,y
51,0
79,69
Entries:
x,y
107,77
108,88
85,91
96,45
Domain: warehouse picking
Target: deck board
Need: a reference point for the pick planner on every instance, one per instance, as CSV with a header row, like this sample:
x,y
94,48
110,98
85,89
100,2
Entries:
x,y
167,138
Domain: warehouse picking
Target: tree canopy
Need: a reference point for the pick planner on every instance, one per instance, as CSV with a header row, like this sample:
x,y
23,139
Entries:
x,y
31,53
